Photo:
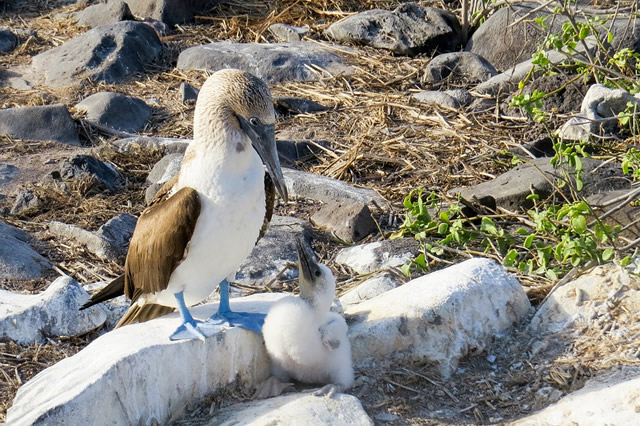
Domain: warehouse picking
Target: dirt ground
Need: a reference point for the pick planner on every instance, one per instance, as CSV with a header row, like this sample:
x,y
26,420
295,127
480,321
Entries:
x,y
379,138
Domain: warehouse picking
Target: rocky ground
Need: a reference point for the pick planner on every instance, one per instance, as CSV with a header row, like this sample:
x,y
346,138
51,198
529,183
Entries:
x,y
369,108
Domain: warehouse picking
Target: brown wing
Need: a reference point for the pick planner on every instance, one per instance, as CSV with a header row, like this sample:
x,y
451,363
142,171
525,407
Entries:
x,y
270,200
159,242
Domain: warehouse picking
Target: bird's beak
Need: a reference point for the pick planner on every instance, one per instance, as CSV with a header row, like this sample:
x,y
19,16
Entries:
x,y
307,267
263,139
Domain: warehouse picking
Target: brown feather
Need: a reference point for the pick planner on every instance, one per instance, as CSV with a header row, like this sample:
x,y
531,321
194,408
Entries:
x,y
143,313
270,200
159,242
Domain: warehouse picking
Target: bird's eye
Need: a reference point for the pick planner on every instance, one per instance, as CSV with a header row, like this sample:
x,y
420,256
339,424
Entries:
x,y
254,121
317,273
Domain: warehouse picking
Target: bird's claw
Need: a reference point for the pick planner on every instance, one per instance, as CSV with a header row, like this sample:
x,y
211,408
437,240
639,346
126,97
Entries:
x,y
195,330
327,391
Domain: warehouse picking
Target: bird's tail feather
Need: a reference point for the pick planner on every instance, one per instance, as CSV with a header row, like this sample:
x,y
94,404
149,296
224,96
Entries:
x,y
114,289
146,312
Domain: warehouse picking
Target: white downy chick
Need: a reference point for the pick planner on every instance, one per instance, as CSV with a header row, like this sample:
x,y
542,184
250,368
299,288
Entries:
x,y
306,341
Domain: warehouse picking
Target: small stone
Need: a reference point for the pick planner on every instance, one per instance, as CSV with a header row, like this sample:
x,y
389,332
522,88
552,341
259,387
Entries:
x,y
284,32
290,105
452,99
117,232
41,123
371,257
162,172
301,409
108,12
459,67
188,92
26,202
275,250
350,221
116,111
370,288
109,243
18,261
8,41
82,166
7,172
298,150
385,417
26,318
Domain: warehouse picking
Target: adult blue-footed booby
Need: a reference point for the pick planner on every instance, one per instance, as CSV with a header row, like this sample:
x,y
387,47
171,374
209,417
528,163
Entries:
x,y
203,223
306,341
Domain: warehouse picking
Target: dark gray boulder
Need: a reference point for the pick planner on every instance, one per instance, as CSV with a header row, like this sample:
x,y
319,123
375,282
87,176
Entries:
x,y
510,189
408,30
109,53
42,123
25,202
350,221
505,43
459,67
291,105
452,99
8,40
117,111
274,63
18,261
274,251
170,12
7,172
188,92
104,13
83,166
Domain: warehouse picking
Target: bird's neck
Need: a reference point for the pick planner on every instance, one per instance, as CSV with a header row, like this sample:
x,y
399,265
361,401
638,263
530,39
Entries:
x,y
220,150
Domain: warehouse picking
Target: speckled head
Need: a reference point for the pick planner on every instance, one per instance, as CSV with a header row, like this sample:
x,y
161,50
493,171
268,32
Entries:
x,y
234,100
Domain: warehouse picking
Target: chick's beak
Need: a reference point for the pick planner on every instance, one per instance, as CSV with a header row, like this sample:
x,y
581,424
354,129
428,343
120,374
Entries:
x,y
308,268
263,140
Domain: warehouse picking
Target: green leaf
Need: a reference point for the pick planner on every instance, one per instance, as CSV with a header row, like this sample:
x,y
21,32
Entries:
x,y
551,274
444,216
607,254
625,261
510,258
443,228
579,224
406,270
584,32
529,241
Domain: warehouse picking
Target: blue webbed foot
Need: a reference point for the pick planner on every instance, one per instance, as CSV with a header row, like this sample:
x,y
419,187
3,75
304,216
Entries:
x,y
247,320
195,330
192,329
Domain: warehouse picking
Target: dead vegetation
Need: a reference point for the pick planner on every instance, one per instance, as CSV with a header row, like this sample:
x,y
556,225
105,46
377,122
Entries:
x,y
380,138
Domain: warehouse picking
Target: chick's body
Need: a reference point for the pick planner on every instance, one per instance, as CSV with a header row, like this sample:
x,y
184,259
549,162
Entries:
x,y
307,344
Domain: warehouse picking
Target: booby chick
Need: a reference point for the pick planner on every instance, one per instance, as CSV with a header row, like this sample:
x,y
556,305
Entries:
x,y
306,341
203,223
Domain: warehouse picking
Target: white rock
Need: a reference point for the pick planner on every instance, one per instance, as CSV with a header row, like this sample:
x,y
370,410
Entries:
x,y
135,374
439,317
583,300
26,318
370,288
371,257
297,409
612,399
599,104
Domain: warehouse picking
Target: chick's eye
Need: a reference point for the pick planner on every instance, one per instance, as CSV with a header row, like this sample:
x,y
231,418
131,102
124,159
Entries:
x,y
254,121
317,273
